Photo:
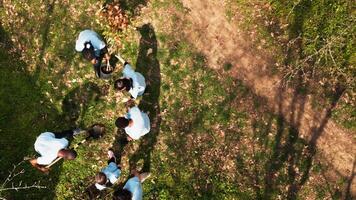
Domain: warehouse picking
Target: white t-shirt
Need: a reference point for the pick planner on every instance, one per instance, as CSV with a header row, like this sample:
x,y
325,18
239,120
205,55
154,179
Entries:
x,y
48,146
138,81
141,123
134,186
89,36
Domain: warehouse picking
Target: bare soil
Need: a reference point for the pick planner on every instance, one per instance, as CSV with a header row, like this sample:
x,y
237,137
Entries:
x,y
223,42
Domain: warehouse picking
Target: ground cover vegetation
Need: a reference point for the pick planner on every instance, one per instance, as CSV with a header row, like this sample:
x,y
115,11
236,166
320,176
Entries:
x,y
211,136
315,40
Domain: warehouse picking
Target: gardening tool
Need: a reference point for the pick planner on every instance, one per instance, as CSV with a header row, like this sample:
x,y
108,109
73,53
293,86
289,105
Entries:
x,y
118,56
106,70
95,131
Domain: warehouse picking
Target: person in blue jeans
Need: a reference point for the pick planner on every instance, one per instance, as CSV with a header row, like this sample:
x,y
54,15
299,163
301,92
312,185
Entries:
x,y
132,189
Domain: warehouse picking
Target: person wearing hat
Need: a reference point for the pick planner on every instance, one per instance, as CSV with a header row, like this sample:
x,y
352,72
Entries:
x,y
93,49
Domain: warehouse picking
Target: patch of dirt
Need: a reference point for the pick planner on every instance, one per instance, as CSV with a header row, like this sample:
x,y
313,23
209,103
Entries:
x,y
222,41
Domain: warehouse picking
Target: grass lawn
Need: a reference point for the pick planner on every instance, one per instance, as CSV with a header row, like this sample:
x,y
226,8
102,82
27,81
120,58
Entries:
x,y
211,137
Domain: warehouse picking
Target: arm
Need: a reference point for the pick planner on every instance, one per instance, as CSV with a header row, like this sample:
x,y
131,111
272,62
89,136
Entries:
x,y
135,173
107,57
106,54
129,138
39,167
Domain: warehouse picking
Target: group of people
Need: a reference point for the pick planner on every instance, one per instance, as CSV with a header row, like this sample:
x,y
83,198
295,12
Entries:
x,y
55,145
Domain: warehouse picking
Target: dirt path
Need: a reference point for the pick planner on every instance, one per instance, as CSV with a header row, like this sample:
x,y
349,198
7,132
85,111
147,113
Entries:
x,y
222,41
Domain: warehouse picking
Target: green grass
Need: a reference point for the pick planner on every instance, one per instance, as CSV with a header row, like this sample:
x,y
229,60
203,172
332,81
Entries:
x,y
312,38
211,137
327,37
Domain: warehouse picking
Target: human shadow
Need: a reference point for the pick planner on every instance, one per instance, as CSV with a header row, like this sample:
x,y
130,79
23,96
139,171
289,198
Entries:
x,y
76,103
147,64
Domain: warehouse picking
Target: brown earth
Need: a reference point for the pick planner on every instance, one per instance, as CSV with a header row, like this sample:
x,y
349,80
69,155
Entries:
x,y
223,41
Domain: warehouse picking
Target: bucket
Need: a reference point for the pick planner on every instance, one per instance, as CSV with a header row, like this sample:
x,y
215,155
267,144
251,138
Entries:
x,y
105,72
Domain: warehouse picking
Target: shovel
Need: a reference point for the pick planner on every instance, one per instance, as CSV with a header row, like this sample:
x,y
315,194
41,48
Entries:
x,y
95,131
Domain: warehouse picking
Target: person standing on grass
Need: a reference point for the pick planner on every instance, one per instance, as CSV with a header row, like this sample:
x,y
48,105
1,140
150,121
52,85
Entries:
x,y
135,123
133,187
93,49
109,175
132,82
52,145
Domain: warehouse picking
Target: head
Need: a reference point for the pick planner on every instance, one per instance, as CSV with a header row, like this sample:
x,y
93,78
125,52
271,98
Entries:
x,y
122,194
122,122
100,178
88,52
122,84
67,154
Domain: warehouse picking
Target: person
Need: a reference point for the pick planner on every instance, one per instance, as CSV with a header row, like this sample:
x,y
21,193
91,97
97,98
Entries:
x,y
52,145
109,175
132,189
132,82
93,49
135,123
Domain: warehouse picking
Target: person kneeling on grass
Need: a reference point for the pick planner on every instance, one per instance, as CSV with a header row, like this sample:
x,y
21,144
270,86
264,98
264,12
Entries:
x,y
52,145
132,82
133,187
93,49
135,123
109,175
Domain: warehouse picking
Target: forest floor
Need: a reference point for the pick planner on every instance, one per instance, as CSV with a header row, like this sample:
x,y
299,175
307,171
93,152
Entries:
x,y
224,126
223,41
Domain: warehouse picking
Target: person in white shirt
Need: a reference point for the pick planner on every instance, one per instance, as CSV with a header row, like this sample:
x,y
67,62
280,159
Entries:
x,y
135,123
133,187
52,145
109,175
133,82
93,49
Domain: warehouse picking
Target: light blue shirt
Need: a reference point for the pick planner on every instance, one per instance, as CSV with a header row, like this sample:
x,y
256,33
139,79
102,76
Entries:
x,y
138,81
141,123
112,173
134,186
89,36
47,145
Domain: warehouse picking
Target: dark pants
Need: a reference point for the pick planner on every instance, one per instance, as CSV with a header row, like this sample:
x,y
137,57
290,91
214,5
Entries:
x,y
112,160
68,134
98,61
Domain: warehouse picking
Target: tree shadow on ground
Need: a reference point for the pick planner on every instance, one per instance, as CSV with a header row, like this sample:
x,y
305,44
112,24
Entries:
x,y
25,113
45,31
291,158
287,159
